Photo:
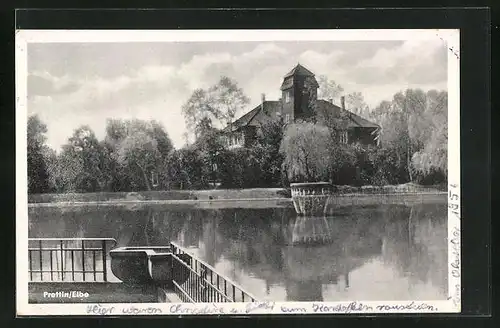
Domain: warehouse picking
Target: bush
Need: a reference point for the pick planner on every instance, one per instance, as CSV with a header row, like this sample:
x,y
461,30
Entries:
x,y
247,168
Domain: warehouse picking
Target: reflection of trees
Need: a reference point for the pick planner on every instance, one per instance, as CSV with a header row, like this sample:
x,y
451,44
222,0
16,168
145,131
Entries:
x,y
304,252
212,244
125,225
165,225
323,251
189,234
251,242
46,222
301,253
415,243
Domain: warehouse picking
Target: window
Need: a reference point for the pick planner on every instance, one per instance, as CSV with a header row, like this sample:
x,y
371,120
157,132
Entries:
x,y
238,140
343,137
287,96
235,140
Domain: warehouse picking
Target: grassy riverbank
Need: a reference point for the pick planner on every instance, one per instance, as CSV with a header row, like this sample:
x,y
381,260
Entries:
x,y
187,196
161,195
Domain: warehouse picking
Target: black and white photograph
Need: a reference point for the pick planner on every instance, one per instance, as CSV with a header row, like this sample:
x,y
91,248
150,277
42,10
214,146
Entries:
x,y
237,172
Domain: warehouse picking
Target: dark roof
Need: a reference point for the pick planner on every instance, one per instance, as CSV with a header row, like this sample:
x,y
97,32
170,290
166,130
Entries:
x,y
299,70
325,108
358,121
248,118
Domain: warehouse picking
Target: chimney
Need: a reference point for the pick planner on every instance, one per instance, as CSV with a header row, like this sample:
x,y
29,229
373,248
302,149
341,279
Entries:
x,y
262,100
342,102
330,100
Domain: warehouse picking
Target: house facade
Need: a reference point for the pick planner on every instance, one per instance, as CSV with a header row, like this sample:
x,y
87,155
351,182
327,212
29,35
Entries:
x,y
299,101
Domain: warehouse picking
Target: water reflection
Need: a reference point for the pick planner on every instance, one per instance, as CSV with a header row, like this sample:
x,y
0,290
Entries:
x,y
323,251
390,252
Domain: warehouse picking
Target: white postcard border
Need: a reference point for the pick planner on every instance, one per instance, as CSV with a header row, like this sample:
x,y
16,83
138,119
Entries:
x,y
451,305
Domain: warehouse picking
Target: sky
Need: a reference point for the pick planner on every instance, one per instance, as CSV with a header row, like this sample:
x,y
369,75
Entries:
x,y
74,84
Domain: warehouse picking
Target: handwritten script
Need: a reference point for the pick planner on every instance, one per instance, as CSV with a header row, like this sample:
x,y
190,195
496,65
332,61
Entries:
x,y
454,200
257,307
455,265
455,253
99,309
251,307
455,245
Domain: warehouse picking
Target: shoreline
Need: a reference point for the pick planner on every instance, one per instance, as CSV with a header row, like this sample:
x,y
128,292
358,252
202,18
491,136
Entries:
x,y
214,195
338,200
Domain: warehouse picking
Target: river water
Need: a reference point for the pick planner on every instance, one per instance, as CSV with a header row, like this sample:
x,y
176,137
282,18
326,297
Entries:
x,y
361,253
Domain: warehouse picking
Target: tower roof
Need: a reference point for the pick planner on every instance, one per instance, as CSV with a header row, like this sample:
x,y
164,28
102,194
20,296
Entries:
x,y
299,70
294,74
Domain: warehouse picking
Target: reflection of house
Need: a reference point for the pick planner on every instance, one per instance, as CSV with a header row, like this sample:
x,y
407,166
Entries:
x,y
299,101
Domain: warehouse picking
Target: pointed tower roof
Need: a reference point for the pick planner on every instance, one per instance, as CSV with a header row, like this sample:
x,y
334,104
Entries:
x,y
299,70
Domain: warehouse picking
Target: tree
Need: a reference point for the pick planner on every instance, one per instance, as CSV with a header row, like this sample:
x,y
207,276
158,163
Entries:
x,y
434,154
142,148
204,127
380,113
197,110
328,89
271,159
355,103
116,132
210,148
165,145
80,164
394,138
412,105
139,150
226,99
305,150
51,161
180,167
414,133
38,177
343,161
218,104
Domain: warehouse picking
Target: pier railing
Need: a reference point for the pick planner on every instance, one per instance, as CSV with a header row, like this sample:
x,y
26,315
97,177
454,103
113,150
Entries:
x,y
69,259
195,281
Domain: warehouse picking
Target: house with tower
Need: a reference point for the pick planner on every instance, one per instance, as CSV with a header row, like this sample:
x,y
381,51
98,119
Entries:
x,y
299,101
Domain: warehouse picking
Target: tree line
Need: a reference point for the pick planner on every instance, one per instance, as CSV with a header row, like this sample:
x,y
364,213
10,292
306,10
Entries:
x,y
138,155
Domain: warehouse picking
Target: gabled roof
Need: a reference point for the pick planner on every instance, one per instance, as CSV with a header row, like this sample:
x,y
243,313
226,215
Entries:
x,y
249,118
358,121
325,108
299,70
